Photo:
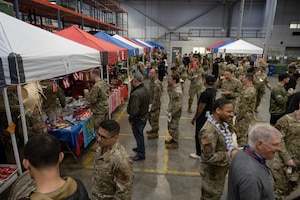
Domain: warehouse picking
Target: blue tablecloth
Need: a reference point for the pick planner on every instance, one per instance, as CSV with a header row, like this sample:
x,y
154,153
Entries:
x,y
68,135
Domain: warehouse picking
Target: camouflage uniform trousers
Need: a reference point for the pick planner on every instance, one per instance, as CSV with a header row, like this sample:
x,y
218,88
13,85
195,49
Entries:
x,y
260,91
283,184
97,119
194,90
173,126
153,120
243,126
213,180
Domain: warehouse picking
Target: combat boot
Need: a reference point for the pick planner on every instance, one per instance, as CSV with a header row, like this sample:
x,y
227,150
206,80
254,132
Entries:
x,y
189,109
149,132
169,141
153,135
173,145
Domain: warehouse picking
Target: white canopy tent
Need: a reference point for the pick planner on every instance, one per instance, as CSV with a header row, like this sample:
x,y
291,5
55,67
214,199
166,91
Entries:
x,y
141,49
240,47
28,53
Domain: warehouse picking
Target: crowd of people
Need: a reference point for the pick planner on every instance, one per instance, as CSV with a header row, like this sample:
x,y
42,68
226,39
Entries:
x,y
225,141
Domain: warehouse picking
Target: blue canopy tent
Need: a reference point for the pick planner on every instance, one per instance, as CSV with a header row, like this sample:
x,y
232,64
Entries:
x,y
157,46
216,48
132,51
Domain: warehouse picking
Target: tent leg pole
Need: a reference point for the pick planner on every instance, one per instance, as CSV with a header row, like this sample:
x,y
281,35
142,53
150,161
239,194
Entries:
x,y
12,135
22,112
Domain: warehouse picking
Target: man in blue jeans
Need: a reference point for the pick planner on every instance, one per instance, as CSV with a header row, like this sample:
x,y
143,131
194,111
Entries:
x,y
137,109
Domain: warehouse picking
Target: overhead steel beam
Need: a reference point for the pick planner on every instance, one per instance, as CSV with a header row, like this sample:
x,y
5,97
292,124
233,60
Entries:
x,y
171,30
188,21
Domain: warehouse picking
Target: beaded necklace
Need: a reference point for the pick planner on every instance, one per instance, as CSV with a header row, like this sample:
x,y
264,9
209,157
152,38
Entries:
x,y
226,132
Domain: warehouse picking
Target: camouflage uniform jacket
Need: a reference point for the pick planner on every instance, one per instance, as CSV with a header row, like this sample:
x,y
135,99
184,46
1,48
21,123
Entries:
x,y
182,72
239,71
222,66
213,146
232,67
98,97
197,81
247,102
35,122
49,104
234,86
289,126
112,177
278,99
155,87
260,80
264,66
175,104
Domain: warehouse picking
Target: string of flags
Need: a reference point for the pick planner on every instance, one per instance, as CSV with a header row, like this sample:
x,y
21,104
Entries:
x,y
66,81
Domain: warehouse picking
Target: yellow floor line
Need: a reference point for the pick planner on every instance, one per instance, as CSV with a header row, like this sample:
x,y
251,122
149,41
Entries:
x,y
87,162
89,158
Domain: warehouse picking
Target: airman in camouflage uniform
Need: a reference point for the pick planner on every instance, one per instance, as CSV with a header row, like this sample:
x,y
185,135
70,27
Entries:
x,y
245,109
174,111
289,156
216,151
264,66
246,64
232,66
98,98
195,76
156,89
230,86
113,174
182,71
35,122
222,67
260,81
49,102
239,71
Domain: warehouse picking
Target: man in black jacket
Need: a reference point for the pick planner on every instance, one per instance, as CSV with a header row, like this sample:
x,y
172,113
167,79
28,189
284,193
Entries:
x,y
137,109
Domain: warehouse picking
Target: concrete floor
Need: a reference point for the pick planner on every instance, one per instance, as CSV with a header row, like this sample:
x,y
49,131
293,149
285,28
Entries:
x,y
165,174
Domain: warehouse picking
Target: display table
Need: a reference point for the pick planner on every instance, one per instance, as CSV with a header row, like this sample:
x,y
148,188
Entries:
x,y
81,133
114,98
71,135
123,92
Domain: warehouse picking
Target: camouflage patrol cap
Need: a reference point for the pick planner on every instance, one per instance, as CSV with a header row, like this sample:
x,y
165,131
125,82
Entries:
x,y
210,79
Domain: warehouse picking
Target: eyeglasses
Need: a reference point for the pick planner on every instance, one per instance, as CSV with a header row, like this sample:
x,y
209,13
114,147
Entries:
x,y
104,137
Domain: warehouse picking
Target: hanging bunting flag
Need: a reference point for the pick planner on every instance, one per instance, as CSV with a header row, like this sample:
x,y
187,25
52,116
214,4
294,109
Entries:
x,y
81,76
54,86
75,76
66,82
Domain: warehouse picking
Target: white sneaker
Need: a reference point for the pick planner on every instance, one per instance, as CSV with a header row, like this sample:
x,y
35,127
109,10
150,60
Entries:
x,y
194,155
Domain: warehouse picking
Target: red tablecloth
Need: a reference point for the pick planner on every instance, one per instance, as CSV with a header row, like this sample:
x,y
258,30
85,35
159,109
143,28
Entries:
x,y
123,92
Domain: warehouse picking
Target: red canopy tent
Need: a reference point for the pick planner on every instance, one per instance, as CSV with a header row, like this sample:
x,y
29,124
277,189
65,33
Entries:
x,y
110,53
144,47
214,45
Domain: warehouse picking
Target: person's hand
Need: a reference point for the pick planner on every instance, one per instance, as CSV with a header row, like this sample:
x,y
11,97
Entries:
x,y
225,93
193,121
233,152
291,91
290,162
